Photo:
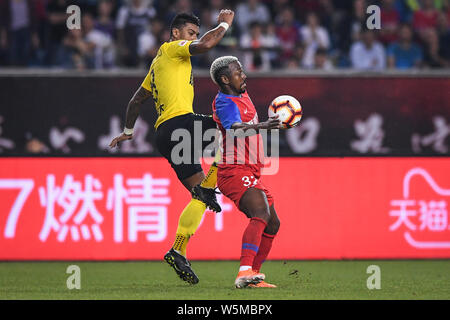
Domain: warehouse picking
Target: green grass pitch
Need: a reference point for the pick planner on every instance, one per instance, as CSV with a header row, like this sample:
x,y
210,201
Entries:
x,y
404,279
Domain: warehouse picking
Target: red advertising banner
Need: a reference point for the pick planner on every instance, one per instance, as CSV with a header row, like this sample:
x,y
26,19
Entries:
x,y
128,208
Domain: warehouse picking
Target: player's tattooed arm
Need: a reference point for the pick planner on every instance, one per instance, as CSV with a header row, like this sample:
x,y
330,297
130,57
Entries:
x,y
210,39
251,129
140,96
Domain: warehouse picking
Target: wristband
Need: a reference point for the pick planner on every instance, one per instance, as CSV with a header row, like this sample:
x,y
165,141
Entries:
x,y
127,131
225,25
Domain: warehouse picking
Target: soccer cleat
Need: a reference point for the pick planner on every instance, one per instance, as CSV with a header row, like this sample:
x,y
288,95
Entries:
x,y
262,284
247,277
208,196
181,266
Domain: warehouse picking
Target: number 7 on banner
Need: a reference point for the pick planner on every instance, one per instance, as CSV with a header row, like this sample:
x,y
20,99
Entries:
x,y
26,186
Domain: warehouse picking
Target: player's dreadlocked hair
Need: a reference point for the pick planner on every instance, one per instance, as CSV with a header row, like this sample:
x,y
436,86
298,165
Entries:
x,y
181,19
220,67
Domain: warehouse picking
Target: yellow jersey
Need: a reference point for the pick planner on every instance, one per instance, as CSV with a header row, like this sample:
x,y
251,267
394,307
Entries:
x,y
170,80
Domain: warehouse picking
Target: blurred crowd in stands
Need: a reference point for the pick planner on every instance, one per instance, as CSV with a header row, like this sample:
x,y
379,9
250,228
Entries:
x,y
265,35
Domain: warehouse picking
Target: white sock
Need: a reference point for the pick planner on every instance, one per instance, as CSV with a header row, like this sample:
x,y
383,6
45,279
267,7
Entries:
x,y
244,268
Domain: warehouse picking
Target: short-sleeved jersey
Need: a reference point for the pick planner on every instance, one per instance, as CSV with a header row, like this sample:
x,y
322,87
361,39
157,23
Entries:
x,y
247,151
170,80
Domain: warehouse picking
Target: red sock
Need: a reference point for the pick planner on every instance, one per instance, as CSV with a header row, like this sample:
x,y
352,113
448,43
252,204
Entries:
x,y
263,252
251,240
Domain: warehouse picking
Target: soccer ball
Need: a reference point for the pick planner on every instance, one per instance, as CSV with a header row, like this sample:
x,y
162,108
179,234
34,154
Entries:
x,y
288,109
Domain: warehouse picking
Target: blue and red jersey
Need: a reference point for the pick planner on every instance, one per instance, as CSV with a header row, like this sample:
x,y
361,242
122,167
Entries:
x,y
247,151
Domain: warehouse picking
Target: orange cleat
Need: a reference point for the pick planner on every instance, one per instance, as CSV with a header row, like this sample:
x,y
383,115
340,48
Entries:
x,y
247,277
262,284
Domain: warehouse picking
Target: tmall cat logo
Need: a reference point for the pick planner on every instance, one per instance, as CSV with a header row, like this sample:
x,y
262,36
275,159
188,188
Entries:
x,y
422,214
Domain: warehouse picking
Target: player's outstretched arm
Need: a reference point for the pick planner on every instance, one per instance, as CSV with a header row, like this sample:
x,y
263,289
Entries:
x,y
272,123
210,39
140,96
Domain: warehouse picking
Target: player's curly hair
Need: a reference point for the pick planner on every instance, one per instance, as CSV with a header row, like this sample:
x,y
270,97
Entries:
x,y
220,67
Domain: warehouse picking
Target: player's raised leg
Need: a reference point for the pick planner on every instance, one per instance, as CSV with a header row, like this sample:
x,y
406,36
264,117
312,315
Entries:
x,y
206,191
189,221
